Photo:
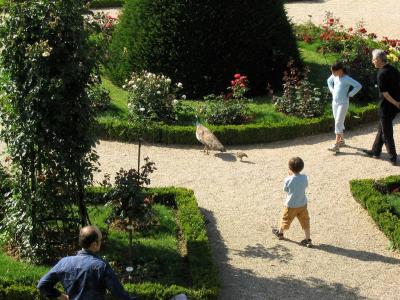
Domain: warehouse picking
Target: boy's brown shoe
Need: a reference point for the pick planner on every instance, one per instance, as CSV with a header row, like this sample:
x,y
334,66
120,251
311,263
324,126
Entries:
x,y
307,243
278,234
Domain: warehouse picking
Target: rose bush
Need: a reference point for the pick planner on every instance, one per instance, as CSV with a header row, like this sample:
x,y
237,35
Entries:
x,y
300,98
230,108
153,96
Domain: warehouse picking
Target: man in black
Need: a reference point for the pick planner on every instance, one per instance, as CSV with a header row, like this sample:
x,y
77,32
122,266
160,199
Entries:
x,y
389,93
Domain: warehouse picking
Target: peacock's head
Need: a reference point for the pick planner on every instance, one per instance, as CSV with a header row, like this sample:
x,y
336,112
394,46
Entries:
x,y
197,120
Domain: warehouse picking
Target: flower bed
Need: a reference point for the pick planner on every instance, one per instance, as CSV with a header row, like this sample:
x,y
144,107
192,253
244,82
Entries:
x,y
377,198
203,273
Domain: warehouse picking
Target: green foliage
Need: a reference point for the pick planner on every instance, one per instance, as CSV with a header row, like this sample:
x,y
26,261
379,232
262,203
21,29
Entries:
x,y
129,202
202,269
218,110
379,206
201,44
106,3
99,97
299,97
46,121
227,109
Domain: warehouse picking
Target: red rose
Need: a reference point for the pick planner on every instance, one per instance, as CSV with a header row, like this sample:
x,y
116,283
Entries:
x,y
237,76
331,21
242,85
350,29
362,30
233,82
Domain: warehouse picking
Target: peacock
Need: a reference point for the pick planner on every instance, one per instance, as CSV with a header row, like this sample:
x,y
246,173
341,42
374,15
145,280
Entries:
x,y
207,138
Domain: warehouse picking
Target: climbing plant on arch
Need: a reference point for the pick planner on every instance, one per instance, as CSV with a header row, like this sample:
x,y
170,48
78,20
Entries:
x,y
46,122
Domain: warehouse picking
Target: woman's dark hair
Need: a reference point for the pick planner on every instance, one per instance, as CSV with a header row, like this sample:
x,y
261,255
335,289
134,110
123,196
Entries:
x,y
296,164
88,235
338,66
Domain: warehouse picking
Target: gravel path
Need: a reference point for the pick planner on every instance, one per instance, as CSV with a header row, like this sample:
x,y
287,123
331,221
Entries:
x,y
242,200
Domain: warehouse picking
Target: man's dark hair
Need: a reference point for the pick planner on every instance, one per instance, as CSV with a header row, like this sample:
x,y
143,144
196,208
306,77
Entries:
x,y
88,235
338,66
296,164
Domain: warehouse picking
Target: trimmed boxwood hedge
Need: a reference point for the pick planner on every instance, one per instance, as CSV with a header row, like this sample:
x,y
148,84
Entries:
x,y
122,130
378,206
106,3
203,272
204,43
93,4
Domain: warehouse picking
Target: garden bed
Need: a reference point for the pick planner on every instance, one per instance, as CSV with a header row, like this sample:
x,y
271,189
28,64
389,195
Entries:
x,y
164,270
382,200
266,126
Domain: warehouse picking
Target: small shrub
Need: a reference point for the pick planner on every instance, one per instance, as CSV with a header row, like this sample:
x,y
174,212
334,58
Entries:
x,y
131,206
299,97
99,97
230,108
153,96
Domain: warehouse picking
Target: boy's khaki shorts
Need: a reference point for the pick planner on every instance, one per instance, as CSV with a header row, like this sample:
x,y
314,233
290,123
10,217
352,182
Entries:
x,y
301,213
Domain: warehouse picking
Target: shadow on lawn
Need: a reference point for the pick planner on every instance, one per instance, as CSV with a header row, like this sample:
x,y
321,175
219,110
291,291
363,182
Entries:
x,y
241,283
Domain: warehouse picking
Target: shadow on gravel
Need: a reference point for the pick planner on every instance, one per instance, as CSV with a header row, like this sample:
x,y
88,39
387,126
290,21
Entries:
x,y
358,254
277,252
226,156
241,284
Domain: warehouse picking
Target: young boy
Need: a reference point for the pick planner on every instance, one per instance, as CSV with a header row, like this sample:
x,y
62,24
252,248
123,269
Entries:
x,y
296,202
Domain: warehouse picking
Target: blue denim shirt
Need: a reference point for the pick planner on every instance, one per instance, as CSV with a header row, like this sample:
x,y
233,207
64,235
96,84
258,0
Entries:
x,y
84,277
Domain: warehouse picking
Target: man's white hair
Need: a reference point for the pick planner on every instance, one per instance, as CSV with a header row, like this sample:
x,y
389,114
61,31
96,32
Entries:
x,y
380,54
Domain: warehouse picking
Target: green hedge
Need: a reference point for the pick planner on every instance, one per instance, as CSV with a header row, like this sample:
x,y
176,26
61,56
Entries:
x,y
106,3
203,272
93,4
122,130
378,206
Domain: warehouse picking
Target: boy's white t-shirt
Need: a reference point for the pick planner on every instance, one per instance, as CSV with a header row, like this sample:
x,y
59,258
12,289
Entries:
x,y
295,185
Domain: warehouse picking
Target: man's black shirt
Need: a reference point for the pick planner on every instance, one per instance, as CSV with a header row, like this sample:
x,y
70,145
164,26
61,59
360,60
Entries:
x,y
388,81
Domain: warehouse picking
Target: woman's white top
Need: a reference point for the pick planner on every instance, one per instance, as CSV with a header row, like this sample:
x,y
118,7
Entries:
x,y
340,86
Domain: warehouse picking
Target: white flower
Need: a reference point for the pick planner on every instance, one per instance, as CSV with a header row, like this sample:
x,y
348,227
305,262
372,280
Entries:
x,y
183,97
179,84
124,86
46,54
158,93
168,80
317,98
131,82
142,109
158,86
175,102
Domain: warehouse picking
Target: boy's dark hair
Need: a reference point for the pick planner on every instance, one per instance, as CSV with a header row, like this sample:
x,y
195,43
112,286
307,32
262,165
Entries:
x,y
296,164
87,236
338,66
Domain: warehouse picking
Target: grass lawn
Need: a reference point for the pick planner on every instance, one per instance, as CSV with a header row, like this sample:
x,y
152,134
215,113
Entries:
x,y
157,257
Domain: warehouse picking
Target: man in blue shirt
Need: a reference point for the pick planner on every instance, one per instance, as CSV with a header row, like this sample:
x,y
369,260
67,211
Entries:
x,y
84,276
